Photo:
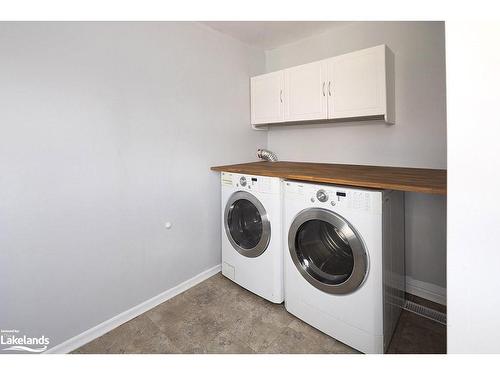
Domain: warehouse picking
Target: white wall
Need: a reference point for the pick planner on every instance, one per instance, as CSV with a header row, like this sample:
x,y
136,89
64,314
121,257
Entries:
x,y
107,131
418,139
474,182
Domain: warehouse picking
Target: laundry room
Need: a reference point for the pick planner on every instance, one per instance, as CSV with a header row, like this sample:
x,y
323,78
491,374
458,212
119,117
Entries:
x,y
246,187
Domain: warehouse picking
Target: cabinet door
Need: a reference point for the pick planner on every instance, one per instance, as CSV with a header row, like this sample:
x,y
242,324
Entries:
x,y
305,92
356,85
267,98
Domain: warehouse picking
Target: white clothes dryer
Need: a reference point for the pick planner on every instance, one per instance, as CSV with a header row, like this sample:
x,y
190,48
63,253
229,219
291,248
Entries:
x,y
344,261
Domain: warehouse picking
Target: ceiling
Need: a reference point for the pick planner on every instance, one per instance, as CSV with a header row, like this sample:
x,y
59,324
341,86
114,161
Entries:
x,y
271,34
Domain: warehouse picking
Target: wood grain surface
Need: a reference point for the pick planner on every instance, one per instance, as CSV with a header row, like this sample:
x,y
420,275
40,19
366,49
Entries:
x,y
420,180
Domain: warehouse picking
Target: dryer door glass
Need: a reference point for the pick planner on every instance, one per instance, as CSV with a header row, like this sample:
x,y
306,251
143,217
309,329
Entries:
x,y
247,225
327,251
324,252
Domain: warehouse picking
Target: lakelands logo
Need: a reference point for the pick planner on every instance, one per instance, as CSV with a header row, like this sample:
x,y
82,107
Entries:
x,y
12,340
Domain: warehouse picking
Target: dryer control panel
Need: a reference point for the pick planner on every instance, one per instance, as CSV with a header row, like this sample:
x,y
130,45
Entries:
x,y
330,196
261,184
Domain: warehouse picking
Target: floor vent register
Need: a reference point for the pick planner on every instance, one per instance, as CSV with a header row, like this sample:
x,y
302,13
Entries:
x,y
426,312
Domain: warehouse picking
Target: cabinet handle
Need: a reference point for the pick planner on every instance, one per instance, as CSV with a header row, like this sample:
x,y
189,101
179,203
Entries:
x,y
281,96
329,91
323,88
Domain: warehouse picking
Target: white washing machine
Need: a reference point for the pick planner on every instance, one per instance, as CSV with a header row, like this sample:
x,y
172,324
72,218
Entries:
x,y
344,261
252,251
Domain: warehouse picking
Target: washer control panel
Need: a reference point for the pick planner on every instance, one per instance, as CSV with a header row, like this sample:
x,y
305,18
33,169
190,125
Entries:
x,y
259,184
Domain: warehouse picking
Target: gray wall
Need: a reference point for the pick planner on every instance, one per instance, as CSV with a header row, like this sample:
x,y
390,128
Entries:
x,y
418,139
108,130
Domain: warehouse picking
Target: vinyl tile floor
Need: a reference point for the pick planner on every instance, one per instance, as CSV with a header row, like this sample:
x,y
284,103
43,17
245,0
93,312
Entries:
x,y
218,316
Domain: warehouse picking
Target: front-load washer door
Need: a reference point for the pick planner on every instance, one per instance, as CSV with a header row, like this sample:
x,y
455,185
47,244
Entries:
x,y
327,251
247,225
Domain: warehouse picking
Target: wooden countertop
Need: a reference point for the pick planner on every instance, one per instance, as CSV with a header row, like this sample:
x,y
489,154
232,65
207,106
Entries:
x,y
432,181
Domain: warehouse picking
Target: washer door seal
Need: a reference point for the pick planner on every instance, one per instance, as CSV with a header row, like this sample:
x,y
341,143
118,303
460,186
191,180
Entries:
x,y
327,251
247,225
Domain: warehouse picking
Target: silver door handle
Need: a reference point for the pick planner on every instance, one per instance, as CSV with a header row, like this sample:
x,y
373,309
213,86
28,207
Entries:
x,y
329,90
323,88
281,96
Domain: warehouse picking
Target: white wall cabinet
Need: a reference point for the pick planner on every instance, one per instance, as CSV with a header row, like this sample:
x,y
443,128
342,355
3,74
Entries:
x,y
360,85
355,85
267,98
305,92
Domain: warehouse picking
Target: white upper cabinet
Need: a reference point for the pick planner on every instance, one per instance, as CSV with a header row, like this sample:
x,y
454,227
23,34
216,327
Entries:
x,y
355,85
267,98
305,92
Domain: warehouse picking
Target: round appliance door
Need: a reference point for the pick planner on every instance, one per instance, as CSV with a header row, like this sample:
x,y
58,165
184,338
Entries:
x,y
247,225
327,251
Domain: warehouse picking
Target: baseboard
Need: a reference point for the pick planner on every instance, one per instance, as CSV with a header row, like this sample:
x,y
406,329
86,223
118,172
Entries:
x,y
99,330
425,290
